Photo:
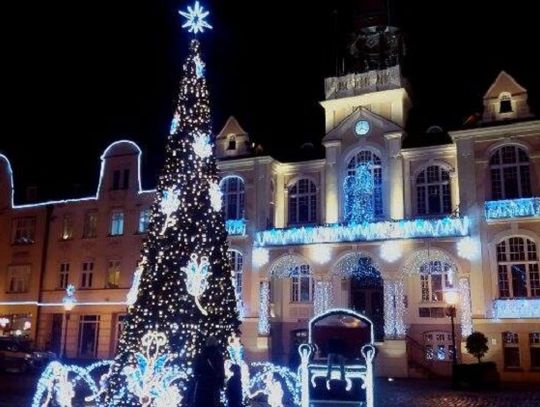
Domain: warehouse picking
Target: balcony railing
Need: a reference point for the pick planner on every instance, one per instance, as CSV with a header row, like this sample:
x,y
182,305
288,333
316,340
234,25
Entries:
x,y
517,308
512,208
236,227
334,233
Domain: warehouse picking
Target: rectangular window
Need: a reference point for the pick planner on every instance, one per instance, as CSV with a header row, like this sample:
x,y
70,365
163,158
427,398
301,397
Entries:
x,y
534,279
90,224
23,230
113,274
144,220
63,279
120,325
431,312
87,274
67,227
117,223
116,180
125,184
18,279
519,280
88,336
534,343
511,350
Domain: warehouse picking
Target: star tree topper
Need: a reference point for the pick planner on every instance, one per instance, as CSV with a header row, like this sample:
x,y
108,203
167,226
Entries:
x,y
196,18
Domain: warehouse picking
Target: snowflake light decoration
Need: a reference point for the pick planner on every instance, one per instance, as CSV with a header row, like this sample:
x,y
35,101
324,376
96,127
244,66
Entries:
x,y
174,123
202,145
131,296
69,299
215,196
199,67
197,278
170,202
195,17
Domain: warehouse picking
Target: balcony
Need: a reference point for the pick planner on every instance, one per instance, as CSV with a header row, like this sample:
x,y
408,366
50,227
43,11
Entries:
x,y
512,208
384,230
517,308
236,227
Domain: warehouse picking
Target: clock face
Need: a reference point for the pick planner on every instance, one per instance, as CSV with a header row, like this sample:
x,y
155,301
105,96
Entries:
x,y
362,127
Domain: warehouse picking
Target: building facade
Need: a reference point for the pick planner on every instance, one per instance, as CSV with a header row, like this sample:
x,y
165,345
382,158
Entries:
x,y
373,226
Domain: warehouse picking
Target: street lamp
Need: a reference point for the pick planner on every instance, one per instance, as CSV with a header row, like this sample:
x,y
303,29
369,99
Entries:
x,y
69,302
451,297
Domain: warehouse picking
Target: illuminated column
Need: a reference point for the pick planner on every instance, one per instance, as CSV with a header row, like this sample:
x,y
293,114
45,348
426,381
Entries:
x,y
389,309
394,181
465,307
332,182
323,296
399,293
264,308
280,201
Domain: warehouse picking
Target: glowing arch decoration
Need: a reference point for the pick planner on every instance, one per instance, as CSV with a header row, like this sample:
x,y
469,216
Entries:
x,y
358,264
285,265
419,258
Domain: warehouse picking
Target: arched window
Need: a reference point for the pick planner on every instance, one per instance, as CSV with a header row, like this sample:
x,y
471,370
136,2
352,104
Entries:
x,y
302,202
433,191
301,284
373,163
237,264
510,173
233,197
505,103
517,268
435,277
231,142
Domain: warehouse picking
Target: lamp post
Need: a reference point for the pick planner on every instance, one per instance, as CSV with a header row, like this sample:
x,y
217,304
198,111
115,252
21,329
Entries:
x,y
451,297
69,302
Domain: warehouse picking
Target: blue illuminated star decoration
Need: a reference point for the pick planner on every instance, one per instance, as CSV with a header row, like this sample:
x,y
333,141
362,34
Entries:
x,y
195,17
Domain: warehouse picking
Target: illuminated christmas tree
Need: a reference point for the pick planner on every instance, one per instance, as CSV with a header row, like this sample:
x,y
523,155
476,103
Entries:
x,y
183,291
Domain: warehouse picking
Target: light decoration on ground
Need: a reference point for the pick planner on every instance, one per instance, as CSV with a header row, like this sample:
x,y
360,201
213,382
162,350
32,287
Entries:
x,y
131,296
236,227
195,18
202,145
334,233
235,349
468,248
174,123
391,250
394,309
264,308
260,256
197,273
155,380
320,253
516,308
215,196
69,299
512,208
465,307
170,201
269,380
323,297
359,190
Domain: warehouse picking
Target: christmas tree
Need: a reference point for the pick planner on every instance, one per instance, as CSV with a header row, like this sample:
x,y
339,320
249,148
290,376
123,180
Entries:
x,y
183,290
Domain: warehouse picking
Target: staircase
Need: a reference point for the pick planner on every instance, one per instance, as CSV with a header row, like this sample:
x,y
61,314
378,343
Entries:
x,y
419,366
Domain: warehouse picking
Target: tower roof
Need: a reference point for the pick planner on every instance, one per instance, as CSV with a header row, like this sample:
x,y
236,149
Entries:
x,y
504,83
231,127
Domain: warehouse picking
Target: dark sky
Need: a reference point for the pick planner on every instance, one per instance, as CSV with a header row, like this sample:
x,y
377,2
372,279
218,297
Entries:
x,y
79,75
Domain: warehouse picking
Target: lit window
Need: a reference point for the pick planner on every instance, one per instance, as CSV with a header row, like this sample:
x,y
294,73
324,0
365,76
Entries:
x,y
511,350
302,202
67,227
375,166
144,220
435,277
113,274
518,268
90,224
87,274
63,279
505,103
233,197
534,343
433,191
301,284
510,173
24,230
237,261
18,279
117,223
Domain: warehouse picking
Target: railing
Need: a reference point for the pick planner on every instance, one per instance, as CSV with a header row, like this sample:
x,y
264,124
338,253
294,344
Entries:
x,y
512,208
416,358
236,227
516,308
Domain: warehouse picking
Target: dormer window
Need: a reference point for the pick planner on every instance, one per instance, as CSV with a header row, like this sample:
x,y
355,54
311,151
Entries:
x,y
231,142
505,103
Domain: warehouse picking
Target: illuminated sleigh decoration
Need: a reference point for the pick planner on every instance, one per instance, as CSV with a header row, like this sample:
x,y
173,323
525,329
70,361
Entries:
x,y
357,333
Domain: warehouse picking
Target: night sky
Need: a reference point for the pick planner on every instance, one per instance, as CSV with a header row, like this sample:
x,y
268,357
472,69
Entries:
x,y
80,75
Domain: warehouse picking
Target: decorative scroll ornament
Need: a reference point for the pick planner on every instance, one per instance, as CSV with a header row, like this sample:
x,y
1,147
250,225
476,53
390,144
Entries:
x,y
197,278
170,202
202,145
131,296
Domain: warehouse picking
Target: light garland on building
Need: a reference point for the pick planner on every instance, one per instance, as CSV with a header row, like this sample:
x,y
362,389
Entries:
x,y
359,191
197,273
202,145
390,251
236,227
465,307
323,297
334,233
516,308
260,256
264,309
512,208
421,257
468,248
320,253
357,264
286,265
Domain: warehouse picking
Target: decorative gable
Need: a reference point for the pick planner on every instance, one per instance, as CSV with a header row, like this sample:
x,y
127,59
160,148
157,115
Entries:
x,y
505,100
232,140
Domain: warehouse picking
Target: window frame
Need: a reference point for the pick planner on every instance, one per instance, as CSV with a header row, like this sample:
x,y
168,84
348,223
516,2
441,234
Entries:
x,y
145,215
366,156
113,264
510,340
500,172
507,258
18,279
87,274
90,224
23,230
424,182
117,222
233,189
302,189
63,275
426,281
297,275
